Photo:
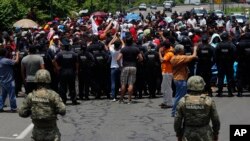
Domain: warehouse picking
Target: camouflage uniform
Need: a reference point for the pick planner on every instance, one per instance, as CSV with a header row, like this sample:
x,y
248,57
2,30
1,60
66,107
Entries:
x,y
194,112
43,105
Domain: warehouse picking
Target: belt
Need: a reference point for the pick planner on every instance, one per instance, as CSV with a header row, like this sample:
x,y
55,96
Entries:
x,y
196,125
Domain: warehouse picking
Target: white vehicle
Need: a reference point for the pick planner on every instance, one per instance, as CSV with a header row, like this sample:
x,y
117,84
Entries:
x,y
143,6
219,13
241,19
169,1
197,3
168,7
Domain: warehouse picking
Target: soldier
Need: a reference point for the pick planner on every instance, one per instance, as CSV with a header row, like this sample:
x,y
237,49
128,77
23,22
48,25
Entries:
x,y
243,53
43,105
194,112
205,55
66,64
86,62
224,58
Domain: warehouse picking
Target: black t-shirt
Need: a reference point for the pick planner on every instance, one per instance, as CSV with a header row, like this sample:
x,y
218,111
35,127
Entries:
x,y
129,56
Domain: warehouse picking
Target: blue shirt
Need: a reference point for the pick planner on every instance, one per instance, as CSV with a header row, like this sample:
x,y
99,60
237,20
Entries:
x,y
6,70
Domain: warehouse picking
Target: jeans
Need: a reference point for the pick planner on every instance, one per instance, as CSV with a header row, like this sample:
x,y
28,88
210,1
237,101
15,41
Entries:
x,y
115,76
181,90
8,89
166,88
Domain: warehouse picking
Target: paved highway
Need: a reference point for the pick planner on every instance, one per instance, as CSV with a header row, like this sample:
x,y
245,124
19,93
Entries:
x,y
104,120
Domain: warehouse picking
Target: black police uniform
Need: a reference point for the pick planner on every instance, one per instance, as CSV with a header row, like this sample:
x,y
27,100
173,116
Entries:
x,y
224,58
86,63
50,56
140,83
205,55
186,42
22,48
243,69
67,61
100,69
153,70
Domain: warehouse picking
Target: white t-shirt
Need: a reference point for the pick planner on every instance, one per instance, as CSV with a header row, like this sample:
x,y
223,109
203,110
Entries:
x,y
203,22
114,55
192,22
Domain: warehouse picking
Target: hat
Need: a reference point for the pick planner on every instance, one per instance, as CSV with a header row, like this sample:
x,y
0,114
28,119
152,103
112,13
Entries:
x,y
55,37
190,34
24,33
139,31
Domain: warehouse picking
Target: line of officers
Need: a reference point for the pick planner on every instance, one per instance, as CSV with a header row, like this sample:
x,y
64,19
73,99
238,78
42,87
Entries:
x,y
91,63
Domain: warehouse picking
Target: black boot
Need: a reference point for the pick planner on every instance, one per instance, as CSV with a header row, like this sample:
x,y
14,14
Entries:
x,y
74,102
239,94
219,92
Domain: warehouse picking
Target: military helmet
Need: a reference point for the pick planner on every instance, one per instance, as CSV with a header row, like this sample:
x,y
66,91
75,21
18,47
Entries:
x,y
42,76
195,83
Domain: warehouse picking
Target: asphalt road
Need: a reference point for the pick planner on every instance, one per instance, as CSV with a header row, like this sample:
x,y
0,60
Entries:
x,y
104,120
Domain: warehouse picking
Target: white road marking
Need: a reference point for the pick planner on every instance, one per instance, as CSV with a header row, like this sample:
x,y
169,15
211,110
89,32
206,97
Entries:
x,y
25,132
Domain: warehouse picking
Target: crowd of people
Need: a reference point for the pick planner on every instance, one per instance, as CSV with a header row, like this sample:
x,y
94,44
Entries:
x,y
153,55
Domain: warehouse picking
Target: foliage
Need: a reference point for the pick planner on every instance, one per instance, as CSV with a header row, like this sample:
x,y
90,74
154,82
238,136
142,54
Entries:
x,y
10,11
230,10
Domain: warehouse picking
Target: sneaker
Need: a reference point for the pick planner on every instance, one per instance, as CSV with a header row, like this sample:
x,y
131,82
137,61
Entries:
x,y
121,102
114,100
130,102
13,110
162,104
166,106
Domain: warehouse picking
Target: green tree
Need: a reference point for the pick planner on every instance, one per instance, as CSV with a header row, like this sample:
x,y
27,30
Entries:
x,y
10,12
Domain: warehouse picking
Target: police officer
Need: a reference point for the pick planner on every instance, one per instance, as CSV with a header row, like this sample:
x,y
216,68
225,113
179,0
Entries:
x,y
100,68
187,43
66,64
86,62
194,112
43,105
205,55
243,53
152,68
224,58
140,84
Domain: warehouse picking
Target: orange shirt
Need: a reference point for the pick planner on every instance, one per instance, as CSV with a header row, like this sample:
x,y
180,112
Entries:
x,y
180,69
166,66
